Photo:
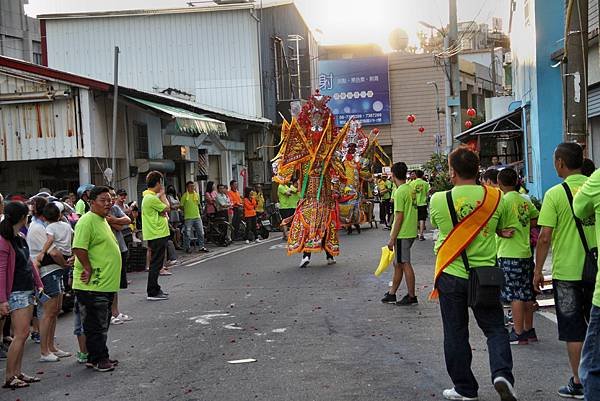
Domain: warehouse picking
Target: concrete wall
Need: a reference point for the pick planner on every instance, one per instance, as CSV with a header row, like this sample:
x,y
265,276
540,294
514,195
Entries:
x,y
410,94
538,86
19,34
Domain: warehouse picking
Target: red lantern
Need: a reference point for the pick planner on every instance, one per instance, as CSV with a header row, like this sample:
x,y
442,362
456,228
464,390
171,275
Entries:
x,y
411,118
421,130
471,112
468,124
375,131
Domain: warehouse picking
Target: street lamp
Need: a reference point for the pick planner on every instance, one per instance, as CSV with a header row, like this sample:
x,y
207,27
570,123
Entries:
x,y
438,111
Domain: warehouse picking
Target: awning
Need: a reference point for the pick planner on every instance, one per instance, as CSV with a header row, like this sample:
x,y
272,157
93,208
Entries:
x,y
507,126
187,122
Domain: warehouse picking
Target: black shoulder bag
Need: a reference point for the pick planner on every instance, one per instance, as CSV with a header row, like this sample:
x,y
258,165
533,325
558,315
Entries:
x,y
485,283
590,266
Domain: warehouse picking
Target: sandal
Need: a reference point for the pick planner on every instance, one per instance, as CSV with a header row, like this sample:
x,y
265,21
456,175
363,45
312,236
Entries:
x,y
15,383
28,379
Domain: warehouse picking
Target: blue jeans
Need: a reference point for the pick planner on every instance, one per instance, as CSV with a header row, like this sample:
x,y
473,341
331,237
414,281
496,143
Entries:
x,y
192,225
457,350
589,367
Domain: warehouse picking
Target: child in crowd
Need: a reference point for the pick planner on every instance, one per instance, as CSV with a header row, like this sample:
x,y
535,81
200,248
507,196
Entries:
x,y
250,215
514,257
59,234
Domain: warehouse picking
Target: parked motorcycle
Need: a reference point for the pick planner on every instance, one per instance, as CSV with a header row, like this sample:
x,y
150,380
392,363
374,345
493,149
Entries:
x,y
263,225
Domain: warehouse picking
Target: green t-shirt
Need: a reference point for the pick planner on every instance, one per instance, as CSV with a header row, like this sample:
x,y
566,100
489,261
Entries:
x,y
520,213
389,186
587,204
405,202
287,201
190,203
482,251
568,255
93,233
80,207
421,188
154,223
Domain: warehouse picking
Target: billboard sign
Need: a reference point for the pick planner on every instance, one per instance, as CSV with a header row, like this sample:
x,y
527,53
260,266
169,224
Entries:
x,y
358,87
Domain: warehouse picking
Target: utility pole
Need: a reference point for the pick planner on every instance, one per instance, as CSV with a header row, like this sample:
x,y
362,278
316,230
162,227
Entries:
x,y
575,70
493,68
114,122
438,138
453,118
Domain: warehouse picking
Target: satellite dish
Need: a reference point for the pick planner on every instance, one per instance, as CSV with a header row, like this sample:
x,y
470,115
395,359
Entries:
x,y
398,39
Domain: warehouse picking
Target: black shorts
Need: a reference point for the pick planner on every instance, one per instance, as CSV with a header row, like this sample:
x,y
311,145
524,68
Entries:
x,y
123,283
285,213
422,213
403,246
573,304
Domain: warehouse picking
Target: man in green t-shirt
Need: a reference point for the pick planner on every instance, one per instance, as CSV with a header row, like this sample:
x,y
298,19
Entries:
x,y
586,205
404,232
288,200
514,257
190,202
421,188
573,301
96,276
453,284
384,187
155,230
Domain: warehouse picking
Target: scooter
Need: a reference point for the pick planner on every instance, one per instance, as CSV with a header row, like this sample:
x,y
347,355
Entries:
x,y
263,225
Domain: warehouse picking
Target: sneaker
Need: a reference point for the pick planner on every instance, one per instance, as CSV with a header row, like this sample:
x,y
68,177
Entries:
x,y
389,298
35,337
571,390
49,358
204,250
257,240
104,366
407,300
165,272
62,354
518,339
82,357
305,261
170,263
123,317
452,394
115,320
504,389
532,336
247,241
331,261
422,238
161,296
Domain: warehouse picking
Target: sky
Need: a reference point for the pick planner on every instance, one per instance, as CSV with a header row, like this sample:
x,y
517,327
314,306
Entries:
x,y
332,21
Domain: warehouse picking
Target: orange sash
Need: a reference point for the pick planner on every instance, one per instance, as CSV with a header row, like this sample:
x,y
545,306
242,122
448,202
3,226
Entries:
x,y
464,233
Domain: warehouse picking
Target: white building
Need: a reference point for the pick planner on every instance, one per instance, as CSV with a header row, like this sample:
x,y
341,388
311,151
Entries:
x,y
56,132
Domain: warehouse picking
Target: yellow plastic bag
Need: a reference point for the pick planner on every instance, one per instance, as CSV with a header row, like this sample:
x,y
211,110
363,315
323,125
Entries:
x,y
386,258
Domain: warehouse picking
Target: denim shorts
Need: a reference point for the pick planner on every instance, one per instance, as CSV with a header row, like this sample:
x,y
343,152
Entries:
x,y
20,300
53,283
573,304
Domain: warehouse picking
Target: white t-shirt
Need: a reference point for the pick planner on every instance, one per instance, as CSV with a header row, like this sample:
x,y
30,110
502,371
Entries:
x,y
62,234
36,238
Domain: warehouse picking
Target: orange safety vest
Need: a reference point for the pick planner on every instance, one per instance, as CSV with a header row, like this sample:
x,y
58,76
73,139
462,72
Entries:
x,y
464,233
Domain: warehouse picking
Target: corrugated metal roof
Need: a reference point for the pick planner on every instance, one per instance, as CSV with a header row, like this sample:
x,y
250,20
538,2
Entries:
x,y
146,12
187,121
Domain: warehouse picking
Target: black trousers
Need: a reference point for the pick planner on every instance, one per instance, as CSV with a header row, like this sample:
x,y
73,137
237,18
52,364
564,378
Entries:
x,y
251,227
309,254
457,350
238,214
384,211
95,309
158,249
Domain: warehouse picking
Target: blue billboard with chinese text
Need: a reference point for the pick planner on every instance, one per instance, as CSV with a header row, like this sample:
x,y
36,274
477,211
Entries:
x,y
358,87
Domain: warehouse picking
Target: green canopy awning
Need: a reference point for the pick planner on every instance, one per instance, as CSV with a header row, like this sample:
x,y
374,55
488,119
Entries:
x,y
187,122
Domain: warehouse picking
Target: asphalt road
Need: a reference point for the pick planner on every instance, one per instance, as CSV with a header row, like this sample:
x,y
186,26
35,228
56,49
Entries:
x,y
319,333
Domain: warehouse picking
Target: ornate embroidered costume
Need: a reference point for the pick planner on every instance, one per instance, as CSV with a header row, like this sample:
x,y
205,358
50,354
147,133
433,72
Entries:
x,y
310,150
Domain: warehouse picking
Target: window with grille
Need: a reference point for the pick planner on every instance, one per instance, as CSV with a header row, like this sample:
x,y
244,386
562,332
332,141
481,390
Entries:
x,y
141,140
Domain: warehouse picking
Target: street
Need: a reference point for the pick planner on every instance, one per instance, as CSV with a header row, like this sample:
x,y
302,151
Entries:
x,y
319,333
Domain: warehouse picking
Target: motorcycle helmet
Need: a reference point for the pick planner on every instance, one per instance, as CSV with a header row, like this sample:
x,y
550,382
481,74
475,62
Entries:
x,y
84,188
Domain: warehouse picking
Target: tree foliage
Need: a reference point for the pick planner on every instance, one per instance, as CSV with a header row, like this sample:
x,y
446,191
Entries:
x,y
437,169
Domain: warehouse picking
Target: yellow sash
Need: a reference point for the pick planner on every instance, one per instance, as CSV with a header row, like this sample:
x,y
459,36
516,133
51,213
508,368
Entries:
x,y
464,233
